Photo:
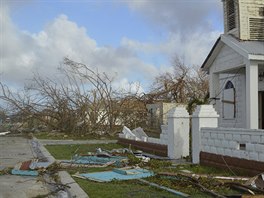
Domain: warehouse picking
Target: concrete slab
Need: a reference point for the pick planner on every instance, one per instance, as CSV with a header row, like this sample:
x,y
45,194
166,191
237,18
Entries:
x,y
12,151
12,186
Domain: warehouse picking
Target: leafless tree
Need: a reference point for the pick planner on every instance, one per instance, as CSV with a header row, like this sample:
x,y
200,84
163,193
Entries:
x,y
82,101
185,85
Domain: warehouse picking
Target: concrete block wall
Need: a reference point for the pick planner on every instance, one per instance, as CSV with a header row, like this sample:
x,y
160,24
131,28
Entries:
x,y
163,136
240,143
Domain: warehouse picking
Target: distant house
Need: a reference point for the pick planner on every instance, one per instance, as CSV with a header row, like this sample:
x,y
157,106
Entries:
x,y
236,66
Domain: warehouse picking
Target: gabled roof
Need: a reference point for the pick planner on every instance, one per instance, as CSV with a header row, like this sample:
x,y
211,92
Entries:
x,y
252,50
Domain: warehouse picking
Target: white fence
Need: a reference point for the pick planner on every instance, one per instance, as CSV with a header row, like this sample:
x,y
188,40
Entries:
x,y
234,142
175,135
206,136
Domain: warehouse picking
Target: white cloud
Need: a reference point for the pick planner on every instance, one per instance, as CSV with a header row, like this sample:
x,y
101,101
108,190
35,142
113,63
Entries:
x,y
124,86
23,52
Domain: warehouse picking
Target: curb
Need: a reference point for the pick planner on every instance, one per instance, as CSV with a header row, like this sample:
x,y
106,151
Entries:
x,y
75,190
66,142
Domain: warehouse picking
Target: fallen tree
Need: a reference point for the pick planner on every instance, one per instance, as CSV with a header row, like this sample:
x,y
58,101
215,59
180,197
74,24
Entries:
x,y
81,101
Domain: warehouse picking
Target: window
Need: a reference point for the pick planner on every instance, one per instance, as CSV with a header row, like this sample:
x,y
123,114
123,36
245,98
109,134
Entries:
x,y
228,101
231,20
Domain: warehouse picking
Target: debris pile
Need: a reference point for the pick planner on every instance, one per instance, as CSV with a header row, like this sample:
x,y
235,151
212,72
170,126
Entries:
x,y
32,167
104,158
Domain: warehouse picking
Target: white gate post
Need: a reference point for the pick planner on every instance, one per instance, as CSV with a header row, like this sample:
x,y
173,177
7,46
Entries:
x,y
178,133
203,116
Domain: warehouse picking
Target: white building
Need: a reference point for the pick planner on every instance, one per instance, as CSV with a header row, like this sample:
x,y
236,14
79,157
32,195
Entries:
x,y
158,112
236,66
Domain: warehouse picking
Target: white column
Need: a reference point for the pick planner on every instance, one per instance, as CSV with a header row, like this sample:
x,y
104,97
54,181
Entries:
x,y
252,95
204,116
178,133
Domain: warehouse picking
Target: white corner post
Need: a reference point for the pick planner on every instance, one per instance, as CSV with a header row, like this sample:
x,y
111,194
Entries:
x,y
203,116
178,132
214,89
252,95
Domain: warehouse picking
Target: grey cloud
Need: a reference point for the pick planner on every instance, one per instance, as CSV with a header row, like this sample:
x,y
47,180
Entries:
x,y
178,15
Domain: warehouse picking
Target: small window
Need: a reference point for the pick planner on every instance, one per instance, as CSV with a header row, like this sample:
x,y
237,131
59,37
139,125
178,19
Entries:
x,y
242,146
231,19
229,85
228,101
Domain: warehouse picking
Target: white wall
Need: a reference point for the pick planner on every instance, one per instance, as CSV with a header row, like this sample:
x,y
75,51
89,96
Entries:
x,y
229,142
226,59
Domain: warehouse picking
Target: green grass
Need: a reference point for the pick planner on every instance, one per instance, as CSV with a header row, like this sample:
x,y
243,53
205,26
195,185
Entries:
x,y
121,189
199,169
67,151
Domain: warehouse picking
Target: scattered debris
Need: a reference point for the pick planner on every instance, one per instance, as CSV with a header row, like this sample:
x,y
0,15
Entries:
x,y
23,168
139,133
186,171
240,187
95,160
256,182
116,174
35,164
249,188
24,172
193,181
190,174
135,134
4,133
151,156
164,188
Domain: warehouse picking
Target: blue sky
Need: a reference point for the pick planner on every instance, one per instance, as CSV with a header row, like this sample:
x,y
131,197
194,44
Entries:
x,y
135,39
106,22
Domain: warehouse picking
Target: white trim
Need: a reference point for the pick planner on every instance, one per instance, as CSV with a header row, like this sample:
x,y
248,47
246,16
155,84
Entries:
x,y
256,57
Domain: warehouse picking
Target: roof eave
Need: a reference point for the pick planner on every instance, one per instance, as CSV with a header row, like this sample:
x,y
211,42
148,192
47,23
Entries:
x,y
209,59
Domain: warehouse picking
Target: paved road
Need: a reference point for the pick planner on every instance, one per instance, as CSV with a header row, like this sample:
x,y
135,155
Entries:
x,y
12,151
18,149
62,142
